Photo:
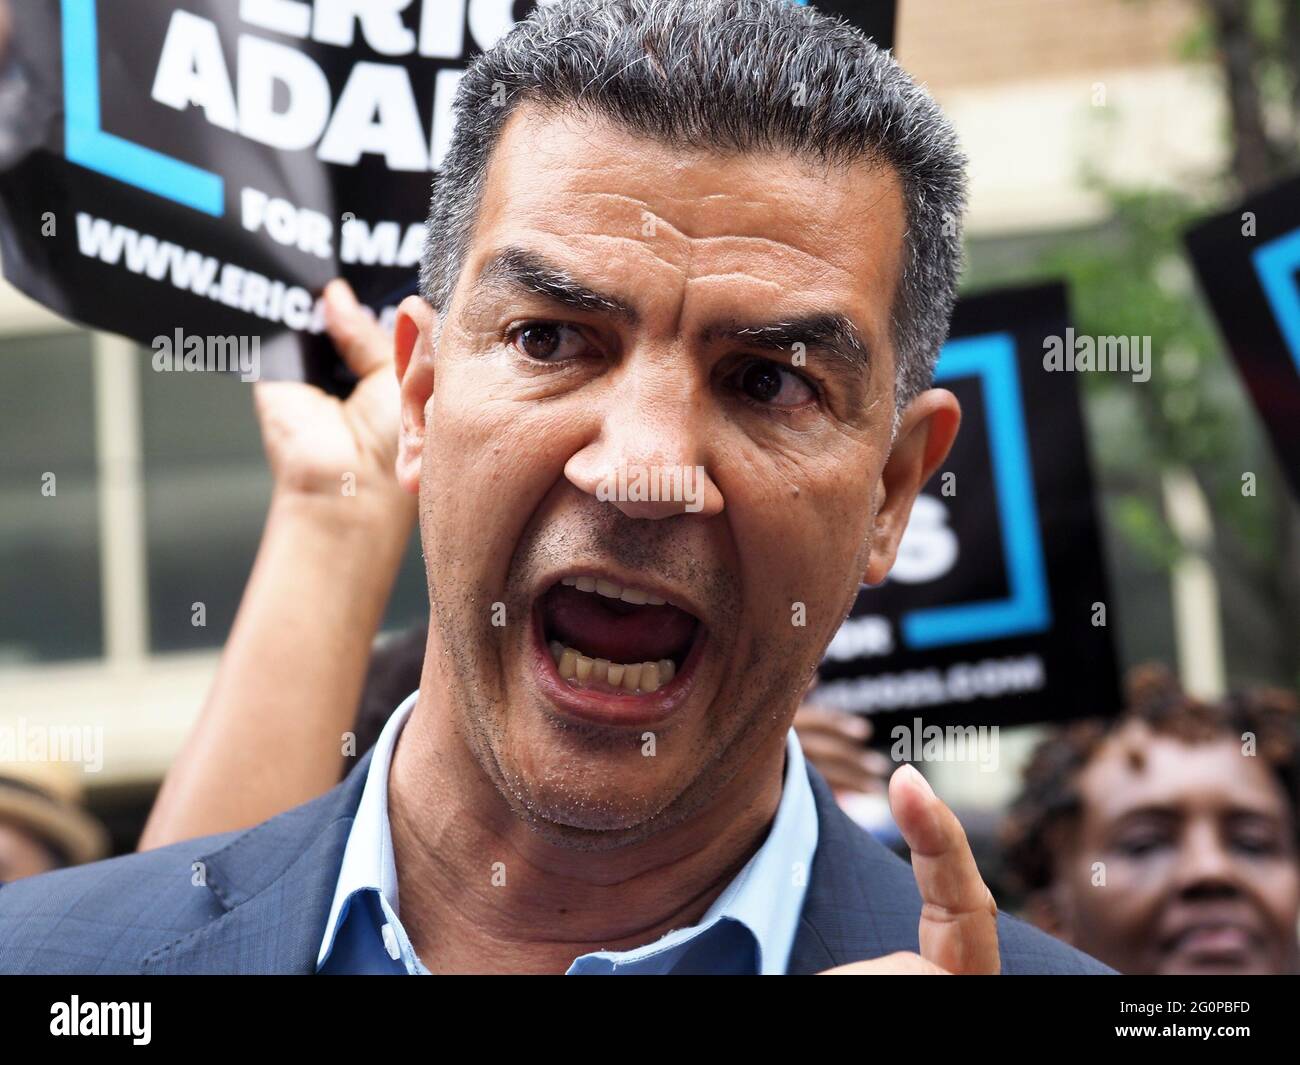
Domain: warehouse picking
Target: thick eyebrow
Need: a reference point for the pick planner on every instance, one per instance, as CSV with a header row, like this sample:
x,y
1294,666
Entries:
x,y
526,270
832,333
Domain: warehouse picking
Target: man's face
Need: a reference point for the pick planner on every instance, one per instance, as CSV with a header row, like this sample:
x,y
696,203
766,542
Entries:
x,y
1201,870
647,381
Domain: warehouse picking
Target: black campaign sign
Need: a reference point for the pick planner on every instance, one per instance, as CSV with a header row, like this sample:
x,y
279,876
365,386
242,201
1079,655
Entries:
x,y
996,610
1248,261
208,165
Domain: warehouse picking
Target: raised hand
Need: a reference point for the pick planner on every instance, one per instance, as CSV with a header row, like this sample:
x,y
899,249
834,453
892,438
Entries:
x,y
959,927
313,439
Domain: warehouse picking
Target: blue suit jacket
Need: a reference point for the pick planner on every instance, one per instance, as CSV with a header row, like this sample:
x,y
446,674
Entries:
x,y
257,901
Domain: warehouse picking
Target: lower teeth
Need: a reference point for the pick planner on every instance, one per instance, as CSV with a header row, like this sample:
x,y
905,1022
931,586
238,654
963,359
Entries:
x,y
637,677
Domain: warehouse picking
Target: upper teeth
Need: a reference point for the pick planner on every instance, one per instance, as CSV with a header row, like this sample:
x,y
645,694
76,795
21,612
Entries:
x,y
601,586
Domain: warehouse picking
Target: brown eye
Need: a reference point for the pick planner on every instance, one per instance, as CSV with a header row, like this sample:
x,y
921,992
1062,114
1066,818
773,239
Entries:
x,y
549,341
772,384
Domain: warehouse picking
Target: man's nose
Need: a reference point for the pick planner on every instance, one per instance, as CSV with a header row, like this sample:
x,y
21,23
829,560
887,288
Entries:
x,y
648,454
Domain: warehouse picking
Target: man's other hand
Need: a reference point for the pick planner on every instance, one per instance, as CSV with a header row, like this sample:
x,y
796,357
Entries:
x,y
959,918
319,445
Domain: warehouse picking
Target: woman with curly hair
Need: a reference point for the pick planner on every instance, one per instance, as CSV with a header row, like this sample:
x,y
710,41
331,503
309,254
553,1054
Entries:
x,y
1165,840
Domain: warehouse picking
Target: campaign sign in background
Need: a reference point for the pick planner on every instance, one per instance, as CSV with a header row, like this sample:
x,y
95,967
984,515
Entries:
x,y
989,615
1248,261
207,165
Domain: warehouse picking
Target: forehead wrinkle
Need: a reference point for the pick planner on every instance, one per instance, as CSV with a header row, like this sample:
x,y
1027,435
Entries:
x,y
622,244
784,248
640,206
815,284
694,240
578,221
709,205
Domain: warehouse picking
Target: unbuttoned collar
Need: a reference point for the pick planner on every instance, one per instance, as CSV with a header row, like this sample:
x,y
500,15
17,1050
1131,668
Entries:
x,y
765,898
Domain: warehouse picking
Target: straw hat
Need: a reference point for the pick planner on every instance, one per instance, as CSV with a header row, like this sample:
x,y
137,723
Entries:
x,y
45,799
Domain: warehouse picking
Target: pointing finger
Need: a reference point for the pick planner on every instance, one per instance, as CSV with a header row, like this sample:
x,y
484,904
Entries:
x,y
959,928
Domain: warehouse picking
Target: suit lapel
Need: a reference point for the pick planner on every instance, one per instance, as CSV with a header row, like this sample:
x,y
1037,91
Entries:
x,y
275,883
861,902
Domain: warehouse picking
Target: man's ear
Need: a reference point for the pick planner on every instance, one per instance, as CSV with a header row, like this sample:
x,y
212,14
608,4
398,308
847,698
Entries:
x,y
413,360
925,434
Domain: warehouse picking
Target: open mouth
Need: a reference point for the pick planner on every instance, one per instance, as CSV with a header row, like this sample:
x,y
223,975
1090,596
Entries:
x,y
615,639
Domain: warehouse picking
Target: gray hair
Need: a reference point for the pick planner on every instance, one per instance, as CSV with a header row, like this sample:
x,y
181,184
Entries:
x,y
722,75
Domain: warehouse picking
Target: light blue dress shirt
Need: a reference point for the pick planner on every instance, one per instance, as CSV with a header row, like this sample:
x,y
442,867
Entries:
x,y
749,929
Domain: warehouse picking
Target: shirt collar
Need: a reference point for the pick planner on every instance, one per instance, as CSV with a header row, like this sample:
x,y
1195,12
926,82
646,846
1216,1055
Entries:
x,y
765,898
368,863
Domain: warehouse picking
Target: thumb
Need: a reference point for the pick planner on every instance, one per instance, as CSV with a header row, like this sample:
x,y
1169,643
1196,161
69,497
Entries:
x,y
959,927
363,344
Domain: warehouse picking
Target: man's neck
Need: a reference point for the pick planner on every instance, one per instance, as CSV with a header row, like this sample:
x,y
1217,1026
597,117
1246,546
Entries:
x,y
544,904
